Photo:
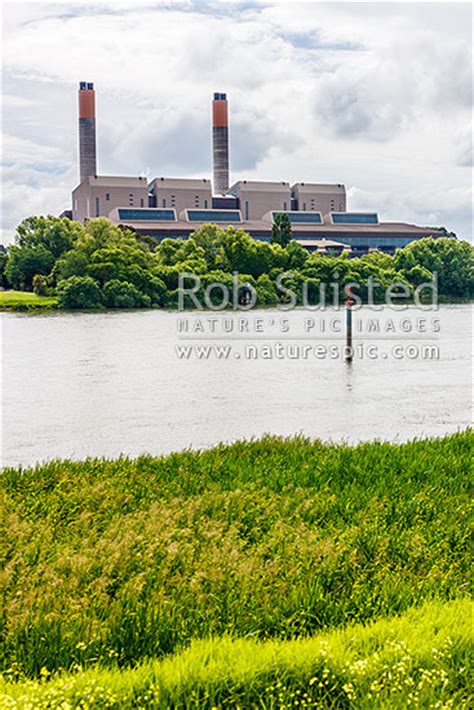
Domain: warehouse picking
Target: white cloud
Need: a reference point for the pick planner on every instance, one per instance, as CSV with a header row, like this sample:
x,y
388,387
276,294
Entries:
x,y
26,191
27,151
426,208
463,148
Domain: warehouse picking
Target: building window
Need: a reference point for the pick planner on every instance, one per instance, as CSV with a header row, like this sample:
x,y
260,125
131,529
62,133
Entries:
x,y
205,204
196,200
285,206
163,202
107,196
304,206
130,199
173,200
246,210
142,204
97,207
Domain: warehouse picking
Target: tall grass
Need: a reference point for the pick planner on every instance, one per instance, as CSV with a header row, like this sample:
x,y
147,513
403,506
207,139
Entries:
x,y
419,660
119,561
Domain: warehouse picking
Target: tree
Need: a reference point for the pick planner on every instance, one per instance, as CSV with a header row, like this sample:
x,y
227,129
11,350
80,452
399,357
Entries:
x,y
297,256
106,253
121,294
25,262
79,292
56,234
266,292
210,239
169,251
39,241
281,229
3,264
452,260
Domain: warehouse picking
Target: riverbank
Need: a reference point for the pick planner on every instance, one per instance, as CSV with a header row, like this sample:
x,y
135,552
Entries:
x,y
25,301
112,563
21,301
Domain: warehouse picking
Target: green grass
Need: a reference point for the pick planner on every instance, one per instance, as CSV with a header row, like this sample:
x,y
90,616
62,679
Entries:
x,y
121,561
419,659
25,301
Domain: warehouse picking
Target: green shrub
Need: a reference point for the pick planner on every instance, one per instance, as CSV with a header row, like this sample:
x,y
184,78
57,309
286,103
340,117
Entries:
x,y
121,294
79,292
266,292
40,285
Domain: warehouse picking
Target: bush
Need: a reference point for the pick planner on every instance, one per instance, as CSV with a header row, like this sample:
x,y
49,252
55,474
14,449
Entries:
x,y
79,292
266,292
40,285
121,294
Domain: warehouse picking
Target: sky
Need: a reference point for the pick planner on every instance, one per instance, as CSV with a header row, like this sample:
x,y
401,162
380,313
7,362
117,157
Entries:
x,y
377,96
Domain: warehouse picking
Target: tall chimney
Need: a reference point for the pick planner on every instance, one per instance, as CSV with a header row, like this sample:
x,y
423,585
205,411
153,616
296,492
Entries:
x,y
220,144
87,149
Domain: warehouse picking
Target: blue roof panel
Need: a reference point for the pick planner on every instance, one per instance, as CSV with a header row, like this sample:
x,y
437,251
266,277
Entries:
x,y
146,215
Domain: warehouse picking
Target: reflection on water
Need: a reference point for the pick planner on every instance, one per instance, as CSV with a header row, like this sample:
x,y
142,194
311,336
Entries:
x,y
78,385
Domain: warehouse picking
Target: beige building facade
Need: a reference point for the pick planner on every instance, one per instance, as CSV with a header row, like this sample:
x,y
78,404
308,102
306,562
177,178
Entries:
x,y
98,195
180,193
316,197
258,198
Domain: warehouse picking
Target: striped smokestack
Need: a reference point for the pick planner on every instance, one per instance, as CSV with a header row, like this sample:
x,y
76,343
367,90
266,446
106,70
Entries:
x,y
220,144
87,150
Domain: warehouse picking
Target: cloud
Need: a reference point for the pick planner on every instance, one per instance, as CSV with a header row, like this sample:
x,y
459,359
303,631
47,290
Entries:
x,y
463,148
440,208
379,95
27,152
27,191
351,107
179,143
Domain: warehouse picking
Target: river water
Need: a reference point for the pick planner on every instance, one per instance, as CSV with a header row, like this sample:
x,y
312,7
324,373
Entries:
x,y
105,384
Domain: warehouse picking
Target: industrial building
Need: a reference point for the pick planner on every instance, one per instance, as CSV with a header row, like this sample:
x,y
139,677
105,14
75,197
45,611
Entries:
x,y
175,207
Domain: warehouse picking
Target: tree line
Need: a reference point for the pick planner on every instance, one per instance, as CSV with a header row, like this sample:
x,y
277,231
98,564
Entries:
x,y
101,265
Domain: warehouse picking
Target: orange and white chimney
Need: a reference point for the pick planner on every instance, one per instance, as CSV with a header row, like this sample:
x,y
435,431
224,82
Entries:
x,y
87,142
220,144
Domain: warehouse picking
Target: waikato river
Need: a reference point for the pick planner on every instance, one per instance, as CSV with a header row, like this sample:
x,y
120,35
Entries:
x,y
105,384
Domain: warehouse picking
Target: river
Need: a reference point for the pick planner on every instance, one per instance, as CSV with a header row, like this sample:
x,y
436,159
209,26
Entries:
x,y
105,384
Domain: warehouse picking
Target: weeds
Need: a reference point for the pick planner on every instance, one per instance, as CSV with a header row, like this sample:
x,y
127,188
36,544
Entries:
x,y
114,562
418,660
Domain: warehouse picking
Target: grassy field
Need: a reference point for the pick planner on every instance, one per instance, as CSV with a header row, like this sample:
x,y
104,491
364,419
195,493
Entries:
x,y
25,301
419,659
118,563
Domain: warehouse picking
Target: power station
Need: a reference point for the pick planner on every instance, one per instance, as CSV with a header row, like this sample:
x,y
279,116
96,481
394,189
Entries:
x,y
175,207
